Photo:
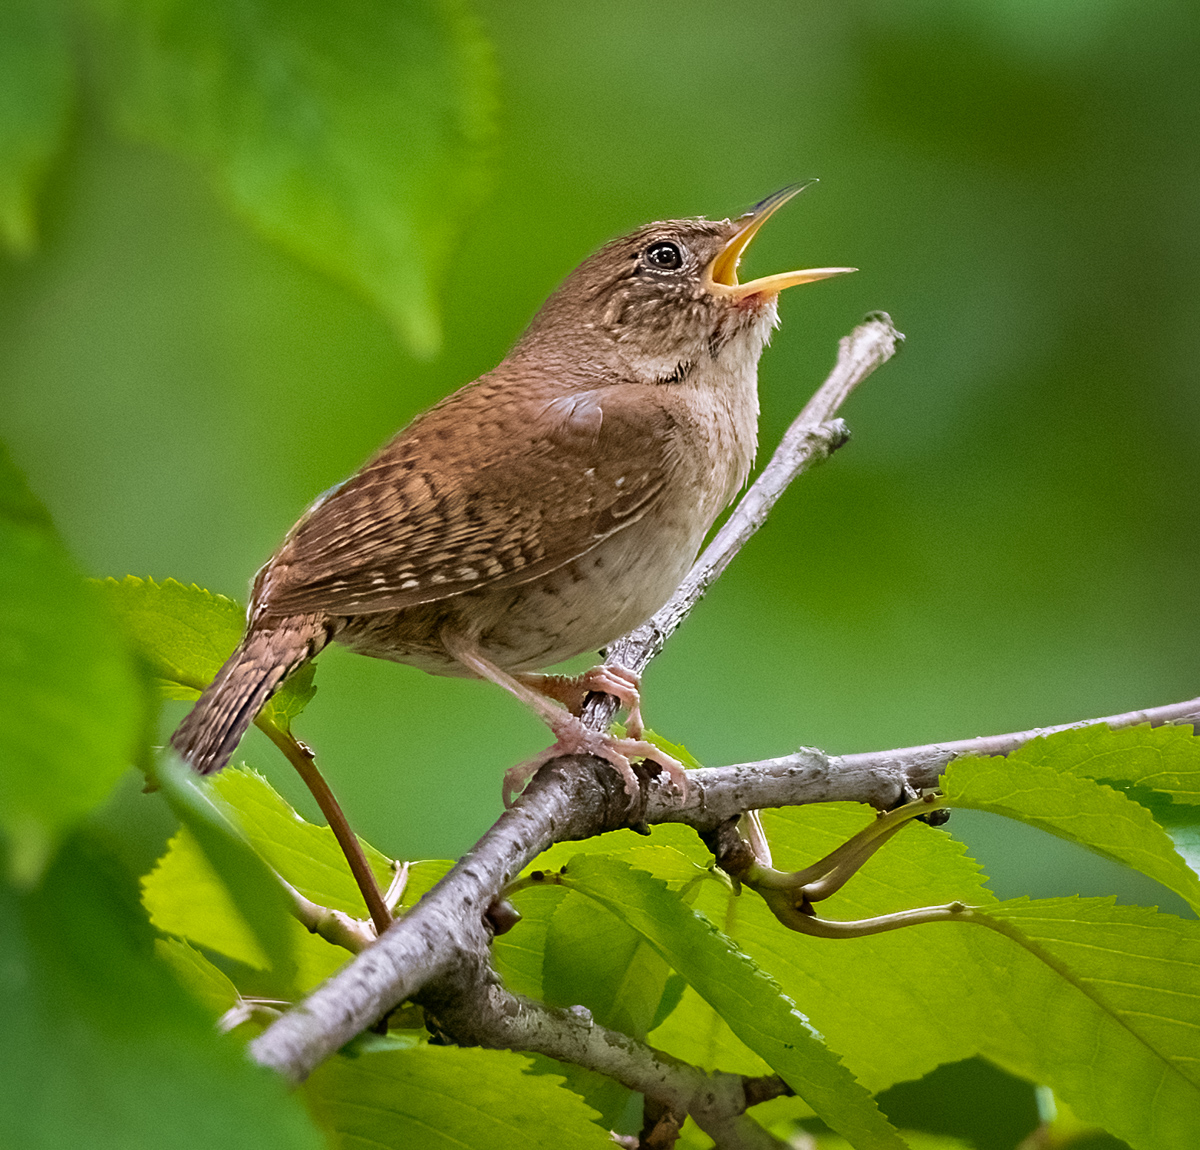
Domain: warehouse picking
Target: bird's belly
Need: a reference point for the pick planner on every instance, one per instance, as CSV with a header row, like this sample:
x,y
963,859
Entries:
x,y
581,606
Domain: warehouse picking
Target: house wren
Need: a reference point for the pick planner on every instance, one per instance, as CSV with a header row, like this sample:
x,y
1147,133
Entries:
x,y
542,510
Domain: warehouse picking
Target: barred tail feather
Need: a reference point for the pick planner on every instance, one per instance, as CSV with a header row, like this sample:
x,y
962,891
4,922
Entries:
x,y
258,667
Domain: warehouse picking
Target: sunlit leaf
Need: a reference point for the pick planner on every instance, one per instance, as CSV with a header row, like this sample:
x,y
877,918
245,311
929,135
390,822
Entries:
x,y
1074,978
446,1098
1140,968
186,633
253,888
1164,759
883,977
1074,808
307,856
748,999
184,897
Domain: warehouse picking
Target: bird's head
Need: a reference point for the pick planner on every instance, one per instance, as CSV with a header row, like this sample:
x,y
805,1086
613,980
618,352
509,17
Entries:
x,y
667,295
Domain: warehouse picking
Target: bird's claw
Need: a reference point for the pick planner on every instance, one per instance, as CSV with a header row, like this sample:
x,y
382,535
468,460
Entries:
x,y
573,738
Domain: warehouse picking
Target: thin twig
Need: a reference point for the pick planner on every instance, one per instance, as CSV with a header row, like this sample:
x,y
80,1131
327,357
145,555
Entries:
x,y
334,926
301,757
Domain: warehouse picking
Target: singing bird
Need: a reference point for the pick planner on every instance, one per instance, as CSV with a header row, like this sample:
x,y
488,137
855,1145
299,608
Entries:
x,y
540,511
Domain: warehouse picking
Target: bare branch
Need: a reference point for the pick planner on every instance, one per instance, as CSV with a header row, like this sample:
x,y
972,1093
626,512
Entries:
x,y
476,1009
881,778
577,798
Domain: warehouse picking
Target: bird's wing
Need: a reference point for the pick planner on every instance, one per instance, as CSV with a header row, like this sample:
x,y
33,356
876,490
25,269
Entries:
x,y
481,491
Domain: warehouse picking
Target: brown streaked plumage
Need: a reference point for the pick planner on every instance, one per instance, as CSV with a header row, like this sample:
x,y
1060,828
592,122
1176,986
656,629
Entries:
x,y
542,510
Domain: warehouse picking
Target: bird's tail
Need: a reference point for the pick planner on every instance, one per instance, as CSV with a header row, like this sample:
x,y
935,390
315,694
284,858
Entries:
x,y
257,669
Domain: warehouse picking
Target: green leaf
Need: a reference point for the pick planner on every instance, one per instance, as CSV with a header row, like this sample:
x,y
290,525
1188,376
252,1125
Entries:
x,y
446,1098
36,93
354,134
72,705
1164,759
1061,1008
747,998
883,977
185,634
1120,987
253,887
210,987
307,856
519,954
695,1032
593,959
184,897
1073,808
944,992
102,1047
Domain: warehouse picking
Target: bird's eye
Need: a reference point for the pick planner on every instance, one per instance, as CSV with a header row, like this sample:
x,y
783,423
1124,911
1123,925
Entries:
x,y
664,256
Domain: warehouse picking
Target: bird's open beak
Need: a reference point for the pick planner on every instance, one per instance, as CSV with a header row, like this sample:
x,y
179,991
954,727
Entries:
x,y
720,277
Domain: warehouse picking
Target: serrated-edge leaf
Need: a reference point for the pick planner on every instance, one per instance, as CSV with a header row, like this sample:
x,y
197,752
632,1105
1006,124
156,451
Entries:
x,y
211,987
1164,759
595,959
749,1000
449,1098
1159,959
1110,1057
185,634
253,887
183,889
305,854
1074,808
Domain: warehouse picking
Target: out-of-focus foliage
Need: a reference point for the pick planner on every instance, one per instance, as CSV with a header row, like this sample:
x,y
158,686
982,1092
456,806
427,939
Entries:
x,y
71,707
102,1047
353,134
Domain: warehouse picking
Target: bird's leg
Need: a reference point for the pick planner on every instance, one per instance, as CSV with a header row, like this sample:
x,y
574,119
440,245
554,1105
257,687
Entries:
x,y
572,737
607,679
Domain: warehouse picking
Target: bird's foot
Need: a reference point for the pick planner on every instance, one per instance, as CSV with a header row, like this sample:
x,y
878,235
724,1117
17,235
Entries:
x,y
573,738
607,679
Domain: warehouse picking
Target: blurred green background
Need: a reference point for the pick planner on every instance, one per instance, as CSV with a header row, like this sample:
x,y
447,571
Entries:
x,y
1008,541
